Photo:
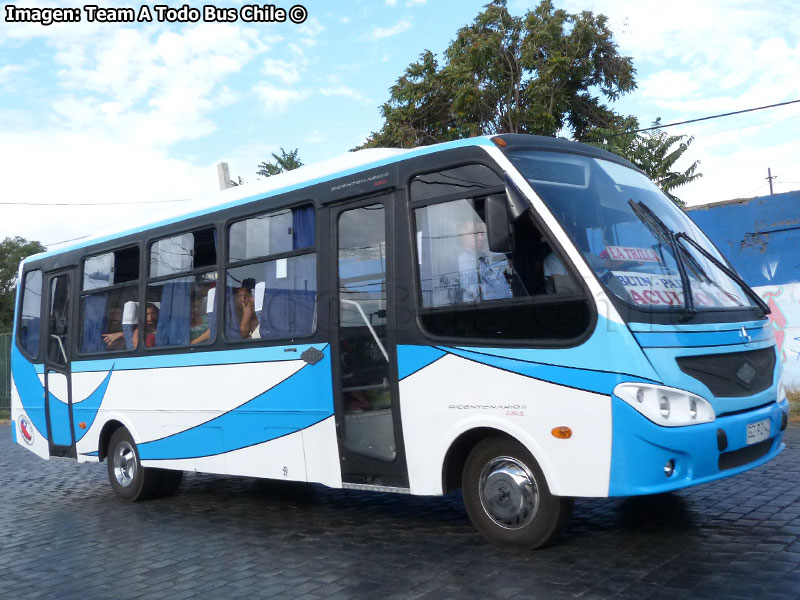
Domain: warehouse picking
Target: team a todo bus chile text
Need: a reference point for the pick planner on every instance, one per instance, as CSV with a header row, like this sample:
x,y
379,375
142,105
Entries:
x,y
250,13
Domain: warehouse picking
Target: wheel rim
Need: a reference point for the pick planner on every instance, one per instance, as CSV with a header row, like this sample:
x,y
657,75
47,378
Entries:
x,y
125,464
508,492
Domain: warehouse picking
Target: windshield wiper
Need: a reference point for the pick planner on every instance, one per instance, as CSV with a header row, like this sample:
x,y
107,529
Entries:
x,y
728,271
660,229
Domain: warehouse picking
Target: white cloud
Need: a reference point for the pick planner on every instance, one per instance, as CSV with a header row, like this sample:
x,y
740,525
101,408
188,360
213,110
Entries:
x,y
391,2
285,71
150,84
346,92
379,33
58,166
308,32
8,71
316,136
277,99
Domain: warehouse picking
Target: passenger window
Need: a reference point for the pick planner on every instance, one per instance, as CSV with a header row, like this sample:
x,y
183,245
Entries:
x,y
262,236
467,290
30,316
182,311
274,298
108,306
184,252
111,268
458,180
180,306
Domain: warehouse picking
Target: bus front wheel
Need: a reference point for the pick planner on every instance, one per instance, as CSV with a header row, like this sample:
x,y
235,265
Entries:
x,y
128,477
507,497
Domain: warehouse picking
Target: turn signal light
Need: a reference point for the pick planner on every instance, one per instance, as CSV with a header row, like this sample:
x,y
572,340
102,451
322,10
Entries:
x,y
82,425
498,141
562,433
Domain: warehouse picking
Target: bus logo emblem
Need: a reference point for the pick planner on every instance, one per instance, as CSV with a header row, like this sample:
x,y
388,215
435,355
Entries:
x,y
26,430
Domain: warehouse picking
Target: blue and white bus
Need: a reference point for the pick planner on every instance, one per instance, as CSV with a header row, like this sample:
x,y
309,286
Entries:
x,y
528,319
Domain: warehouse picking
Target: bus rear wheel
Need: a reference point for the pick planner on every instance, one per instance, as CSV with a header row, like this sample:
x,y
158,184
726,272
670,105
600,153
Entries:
x,y
128,477
507,497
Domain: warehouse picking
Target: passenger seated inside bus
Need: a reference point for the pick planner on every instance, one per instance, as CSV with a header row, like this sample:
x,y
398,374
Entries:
x,y
480,277
556,278
246,309
111,340
199,330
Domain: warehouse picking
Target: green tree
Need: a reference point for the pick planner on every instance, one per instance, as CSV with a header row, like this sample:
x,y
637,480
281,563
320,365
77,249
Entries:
x,y
285,162
538,73
12,251
655,152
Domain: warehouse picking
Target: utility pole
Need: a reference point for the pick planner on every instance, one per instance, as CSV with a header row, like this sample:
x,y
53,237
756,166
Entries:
x,y
770,177
224,176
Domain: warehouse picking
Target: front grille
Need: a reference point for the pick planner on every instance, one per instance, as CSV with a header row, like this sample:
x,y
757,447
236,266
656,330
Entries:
x,y
737,458
734,374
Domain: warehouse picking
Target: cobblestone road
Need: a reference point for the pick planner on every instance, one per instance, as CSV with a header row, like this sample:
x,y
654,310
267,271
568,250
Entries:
x,y
63,534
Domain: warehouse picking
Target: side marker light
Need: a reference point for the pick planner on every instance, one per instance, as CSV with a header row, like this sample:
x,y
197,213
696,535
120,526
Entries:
x,y
500,142
561,433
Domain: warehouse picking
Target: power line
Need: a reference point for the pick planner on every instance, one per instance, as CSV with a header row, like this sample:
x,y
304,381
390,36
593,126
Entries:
x,y
65,241
728,114
752,125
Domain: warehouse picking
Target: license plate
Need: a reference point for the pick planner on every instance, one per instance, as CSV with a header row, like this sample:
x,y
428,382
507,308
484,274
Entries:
x,y
758,431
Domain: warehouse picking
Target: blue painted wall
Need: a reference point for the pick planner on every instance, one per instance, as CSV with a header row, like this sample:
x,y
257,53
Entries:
x,y
761,238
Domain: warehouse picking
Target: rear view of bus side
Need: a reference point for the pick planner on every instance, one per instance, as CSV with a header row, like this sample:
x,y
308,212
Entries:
x,y
527,319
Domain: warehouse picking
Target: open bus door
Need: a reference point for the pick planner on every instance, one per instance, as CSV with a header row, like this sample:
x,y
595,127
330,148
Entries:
x,y
57,379
364,358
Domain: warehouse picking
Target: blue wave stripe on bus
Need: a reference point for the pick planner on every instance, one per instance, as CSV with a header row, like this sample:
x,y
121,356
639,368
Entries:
x,y
703,338
85,411
30,389
31,394
60,434
411,359
296,403
600,382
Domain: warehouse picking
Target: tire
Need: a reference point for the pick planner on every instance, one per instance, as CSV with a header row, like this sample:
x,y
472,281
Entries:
x,y
128,477
507,497
170,480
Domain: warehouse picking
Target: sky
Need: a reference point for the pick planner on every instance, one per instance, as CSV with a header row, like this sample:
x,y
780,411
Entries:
x,y
104,126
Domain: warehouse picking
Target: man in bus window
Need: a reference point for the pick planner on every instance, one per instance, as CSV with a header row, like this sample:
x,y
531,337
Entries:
x,y
480,277
246,308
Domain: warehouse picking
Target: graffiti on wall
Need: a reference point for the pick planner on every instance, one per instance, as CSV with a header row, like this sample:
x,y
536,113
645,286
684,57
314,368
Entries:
x,y
784,302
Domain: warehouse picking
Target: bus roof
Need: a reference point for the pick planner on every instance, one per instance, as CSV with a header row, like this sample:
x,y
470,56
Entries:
x,y
305,176
339,166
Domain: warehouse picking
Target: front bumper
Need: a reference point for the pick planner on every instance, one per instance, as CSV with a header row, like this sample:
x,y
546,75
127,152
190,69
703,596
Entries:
x,y
640,449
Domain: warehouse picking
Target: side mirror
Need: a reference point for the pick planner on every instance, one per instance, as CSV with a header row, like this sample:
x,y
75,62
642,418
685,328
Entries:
x,y
498,224
518,204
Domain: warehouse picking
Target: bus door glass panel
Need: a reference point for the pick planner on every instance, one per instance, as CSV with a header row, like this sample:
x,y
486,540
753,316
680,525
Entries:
x,y
364,359
57,362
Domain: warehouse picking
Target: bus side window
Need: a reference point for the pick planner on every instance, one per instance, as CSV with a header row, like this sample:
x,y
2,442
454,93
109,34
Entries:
x,y
30,315
467,290
182,298
274,298
109,290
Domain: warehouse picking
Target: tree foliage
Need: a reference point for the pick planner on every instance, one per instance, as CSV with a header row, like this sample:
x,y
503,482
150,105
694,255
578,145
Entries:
x,y
12,251
538,73
655,152
285,162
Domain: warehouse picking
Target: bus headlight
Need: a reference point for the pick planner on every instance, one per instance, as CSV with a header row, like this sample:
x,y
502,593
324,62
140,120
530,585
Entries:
x,y
666,406
781,390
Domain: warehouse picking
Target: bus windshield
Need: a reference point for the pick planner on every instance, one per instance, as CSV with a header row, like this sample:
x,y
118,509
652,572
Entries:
x,y
643,247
